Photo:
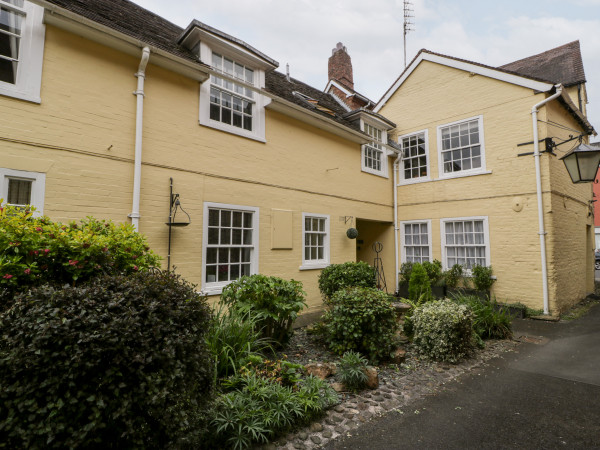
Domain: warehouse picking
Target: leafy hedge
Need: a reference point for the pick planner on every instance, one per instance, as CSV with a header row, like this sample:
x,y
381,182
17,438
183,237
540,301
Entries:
x,y
118,362
361,319
272,301
349,274
443,330
36,250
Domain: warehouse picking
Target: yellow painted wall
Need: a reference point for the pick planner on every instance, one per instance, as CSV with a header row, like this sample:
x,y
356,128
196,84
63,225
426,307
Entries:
x,y
435,95
82,136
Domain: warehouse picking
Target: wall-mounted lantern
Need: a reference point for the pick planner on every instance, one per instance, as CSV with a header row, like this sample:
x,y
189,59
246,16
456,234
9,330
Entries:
x,y
582,163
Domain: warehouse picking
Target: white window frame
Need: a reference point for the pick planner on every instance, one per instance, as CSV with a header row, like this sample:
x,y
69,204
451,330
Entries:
x,y
321,263
403,237
31,55
486,238
380,148
215,288
468,172
259,101
401,179
38,187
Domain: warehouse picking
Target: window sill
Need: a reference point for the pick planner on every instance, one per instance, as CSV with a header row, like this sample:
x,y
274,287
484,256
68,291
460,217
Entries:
x,y
233,130
19,94
414,181
381,173
313,266
462,175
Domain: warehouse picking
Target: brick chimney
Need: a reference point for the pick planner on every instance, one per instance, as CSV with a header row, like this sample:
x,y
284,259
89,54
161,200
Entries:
x,y
340,66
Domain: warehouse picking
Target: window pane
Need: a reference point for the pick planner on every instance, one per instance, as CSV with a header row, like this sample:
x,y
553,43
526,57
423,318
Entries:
x,y
237,219
211,256
246,254
224,273
236,236
234,255
225,236
211,274
247,237
215,112
213,236
19,192
223,255
245,269
247,220
248,123
234,272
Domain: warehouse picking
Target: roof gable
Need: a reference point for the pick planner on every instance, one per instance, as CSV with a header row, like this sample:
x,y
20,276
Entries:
x,y
560,65
467,66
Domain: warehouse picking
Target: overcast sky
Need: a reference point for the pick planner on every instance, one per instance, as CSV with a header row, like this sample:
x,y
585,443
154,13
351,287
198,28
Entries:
x,y
494,32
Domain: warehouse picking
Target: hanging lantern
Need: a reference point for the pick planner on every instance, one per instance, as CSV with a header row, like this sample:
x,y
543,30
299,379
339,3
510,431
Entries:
x,y
582,163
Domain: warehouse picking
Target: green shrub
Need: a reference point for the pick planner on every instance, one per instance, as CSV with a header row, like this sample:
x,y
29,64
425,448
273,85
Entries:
x,y
453,275
232,338
349,274
280,370
36,250
273,302
352,370
407,326
117,362
261,408
443,330
434,271
490,320
405,272
482,277
419,284
361,319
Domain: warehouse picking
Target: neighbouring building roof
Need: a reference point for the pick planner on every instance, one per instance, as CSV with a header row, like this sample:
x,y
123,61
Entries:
x,y
559,65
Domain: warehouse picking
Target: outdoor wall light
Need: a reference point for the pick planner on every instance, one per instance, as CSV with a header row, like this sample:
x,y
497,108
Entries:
x,y
582,163
352,233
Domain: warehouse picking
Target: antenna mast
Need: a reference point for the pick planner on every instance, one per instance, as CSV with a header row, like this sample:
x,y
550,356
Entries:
x,y
408,14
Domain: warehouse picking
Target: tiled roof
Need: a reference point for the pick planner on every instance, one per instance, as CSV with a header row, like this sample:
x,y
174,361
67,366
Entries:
x,y
559,65
276,83
128,18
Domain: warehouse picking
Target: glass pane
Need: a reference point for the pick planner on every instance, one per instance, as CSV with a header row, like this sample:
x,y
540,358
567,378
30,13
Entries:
x,y
226,116
215,96
224,273
228,66
321,240
10,21
237,219
236,236
19,192
213,217
213,236
247,220
215,112
234,255
307,224
9,46
248,123
307,253
313,239
225,236
239,71
246,253
307,239
226,100
217,61
237,104
320,253
245,269
234,271
237,120
247,237
211,256
223,255
313,253
211,274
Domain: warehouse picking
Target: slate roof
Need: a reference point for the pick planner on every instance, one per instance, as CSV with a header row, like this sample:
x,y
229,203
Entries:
x,y
276,83
559,65
128,18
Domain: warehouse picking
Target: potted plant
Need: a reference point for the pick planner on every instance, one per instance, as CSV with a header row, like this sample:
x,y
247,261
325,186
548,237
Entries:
x,y
436,279
482,279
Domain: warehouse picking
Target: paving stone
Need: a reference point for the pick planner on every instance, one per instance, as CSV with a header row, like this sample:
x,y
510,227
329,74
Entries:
x,y
339,408
303,435
316,427
299,445
327,434
316,439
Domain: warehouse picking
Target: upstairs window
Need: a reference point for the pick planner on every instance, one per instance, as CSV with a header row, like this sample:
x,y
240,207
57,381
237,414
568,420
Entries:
x,y
231,103
373,154
461,148
21,49
415,158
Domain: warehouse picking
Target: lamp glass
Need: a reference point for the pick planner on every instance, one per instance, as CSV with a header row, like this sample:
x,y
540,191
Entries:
x,y
582,163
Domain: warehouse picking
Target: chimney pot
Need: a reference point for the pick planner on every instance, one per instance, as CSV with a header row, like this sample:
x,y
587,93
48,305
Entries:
x,y
340,66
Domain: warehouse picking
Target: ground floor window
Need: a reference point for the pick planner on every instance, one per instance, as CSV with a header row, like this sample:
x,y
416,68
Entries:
x,y
230,244
315,234
21,188
465,241
416,241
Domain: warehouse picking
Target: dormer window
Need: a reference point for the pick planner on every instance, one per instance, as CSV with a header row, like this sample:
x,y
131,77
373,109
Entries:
x,y
374,159
231,103
230,99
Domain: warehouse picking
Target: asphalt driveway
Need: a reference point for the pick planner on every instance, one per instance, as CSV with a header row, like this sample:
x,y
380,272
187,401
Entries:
x,y
545,396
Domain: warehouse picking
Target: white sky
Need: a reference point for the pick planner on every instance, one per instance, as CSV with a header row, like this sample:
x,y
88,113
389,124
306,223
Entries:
x,y
494,32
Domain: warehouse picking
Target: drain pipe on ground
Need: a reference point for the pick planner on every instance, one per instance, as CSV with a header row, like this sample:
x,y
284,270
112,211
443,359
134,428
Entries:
x,y
395,169
139,121
538,182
